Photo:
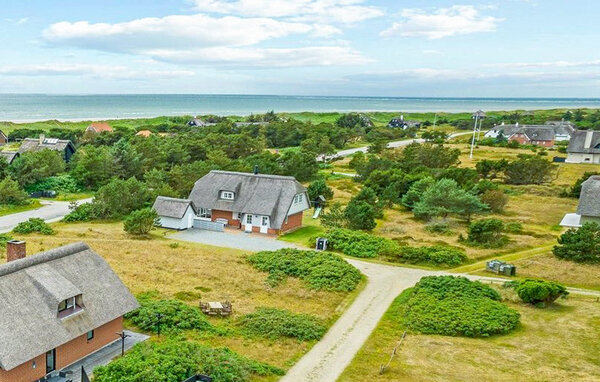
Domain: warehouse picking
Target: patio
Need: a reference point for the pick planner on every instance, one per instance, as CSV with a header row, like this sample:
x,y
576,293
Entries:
x,y
99,358
233,238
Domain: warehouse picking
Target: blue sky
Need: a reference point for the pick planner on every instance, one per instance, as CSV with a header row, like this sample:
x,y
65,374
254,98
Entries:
x,y
502,48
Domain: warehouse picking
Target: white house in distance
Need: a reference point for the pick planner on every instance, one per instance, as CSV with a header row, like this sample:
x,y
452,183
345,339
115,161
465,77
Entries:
x,y
175,213
584,147
588,209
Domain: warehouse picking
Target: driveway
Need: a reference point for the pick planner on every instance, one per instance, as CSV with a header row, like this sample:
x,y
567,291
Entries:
x,y
50,211
233,239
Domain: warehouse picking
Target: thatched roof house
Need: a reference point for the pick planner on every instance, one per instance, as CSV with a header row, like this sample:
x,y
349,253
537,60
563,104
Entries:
x,y
588,209
98,127
10,156
584,147
175,213
51,302
42,143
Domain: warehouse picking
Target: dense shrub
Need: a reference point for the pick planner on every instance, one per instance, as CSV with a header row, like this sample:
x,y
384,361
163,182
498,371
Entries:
x,y
487,233
540,292
11,193
495,199
437,254
319,187
455,306
356,243
59,183
275,323
140,222
120,197
176,315
580,245
83,212
318,269
175,360
34,225
529,170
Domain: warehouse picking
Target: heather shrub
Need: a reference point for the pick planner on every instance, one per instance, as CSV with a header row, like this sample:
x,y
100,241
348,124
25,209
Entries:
x,y
437,255
357,243
540,292
176,315
34,225
275,323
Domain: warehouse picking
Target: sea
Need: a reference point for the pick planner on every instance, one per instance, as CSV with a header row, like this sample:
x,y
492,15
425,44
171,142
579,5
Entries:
x,y
40,107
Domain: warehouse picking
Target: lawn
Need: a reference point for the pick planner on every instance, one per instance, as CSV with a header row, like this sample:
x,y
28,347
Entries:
x,y
10,209
160,264
558,343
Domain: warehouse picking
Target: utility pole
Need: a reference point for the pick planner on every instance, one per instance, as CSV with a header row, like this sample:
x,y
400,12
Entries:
x,y
477,116
159,317
123,335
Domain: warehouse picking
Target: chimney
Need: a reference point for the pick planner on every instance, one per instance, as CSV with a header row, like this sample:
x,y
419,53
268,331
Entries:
x,y
517,124
15,250
255,169
588,139
42,138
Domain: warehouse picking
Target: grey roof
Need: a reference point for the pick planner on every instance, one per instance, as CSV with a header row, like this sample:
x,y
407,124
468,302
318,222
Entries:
x,y
537,133
577,142
562,127
31,289
33,144
258,194
10,156
589,198
172,207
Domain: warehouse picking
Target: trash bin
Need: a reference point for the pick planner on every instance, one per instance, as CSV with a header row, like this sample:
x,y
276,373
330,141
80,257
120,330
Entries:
x,y
321,244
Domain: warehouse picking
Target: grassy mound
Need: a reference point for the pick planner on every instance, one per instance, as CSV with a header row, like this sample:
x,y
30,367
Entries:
x,y
176,315
275,323
318,269
455,306
176,360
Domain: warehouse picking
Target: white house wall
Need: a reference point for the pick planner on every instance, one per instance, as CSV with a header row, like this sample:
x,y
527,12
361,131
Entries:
x,y
581,158
179,224
298,207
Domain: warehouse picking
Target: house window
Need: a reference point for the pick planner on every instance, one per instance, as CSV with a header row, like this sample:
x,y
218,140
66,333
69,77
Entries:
x,y
205,213
298,199
248,219
66,304
90,335
69,306
227,195
237,216
265,221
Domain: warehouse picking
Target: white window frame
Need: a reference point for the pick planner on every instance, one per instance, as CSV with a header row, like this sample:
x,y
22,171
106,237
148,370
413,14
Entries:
x,y
264,221
205,213
227,195
249,216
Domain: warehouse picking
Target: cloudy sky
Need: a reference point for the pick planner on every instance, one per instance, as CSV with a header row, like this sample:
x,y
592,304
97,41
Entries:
x,y
501,48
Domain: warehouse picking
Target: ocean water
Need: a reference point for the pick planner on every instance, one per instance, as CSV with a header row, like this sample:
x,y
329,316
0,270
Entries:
x,y
35,107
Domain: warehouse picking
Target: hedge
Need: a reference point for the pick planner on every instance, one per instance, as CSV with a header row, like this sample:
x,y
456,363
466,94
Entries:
x,y
176,315
320,270
540,292
275,323
437,254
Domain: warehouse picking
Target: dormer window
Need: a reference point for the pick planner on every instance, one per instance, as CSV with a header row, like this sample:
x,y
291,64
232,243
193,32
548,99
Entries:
x,y
298,199
227,195
70,306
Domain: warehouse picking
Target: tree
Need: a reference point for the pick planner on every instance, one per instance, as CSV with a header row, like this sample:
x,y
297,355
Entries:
x,y
302,165
140,222
414,193
428,155
576,189
368,196
4,168
529,170
121,197
319,187
465,177
127,160
360,215
12,193
31,167
351,120
93,167
333,216
540,292
444,198
495,199
580,245
490,169
487,233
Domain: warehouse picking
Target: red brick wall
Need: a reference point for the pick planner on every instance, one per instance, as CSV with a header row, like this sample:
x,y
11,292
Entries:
x,y
293,221
218,214
66,354
2,140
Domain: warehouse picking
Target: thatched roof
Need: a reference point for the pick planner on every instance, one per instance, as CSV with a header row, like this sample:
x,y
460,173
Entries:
x,y
577,142
31,289
589,198
42,143
10,156
537,133
259,194
545,132
172,207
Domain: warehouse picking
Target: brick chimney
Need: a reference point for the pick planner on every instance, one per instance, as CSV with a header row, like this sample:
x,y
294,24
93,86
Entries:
x,y
15,250
589,135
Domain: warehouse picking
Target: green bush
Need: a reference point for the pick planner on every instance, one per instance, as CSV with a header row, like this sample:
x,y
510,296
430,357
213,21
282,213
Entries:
x,y
83,212
59,183
11,193
580,245
275,323
356,243
438,255
176,315
175,360
140,222
34,225
319,270
487,233
540,292
455,306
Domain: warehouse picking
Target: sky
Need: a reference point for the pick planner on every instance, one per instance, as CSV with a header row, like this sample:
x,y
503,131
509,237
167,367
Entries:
x,y
401,48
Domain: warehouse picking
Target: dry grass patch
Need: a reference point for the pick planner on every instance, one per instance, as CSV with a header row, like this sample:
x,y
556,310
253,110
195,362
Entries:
x,y
188,270
557,343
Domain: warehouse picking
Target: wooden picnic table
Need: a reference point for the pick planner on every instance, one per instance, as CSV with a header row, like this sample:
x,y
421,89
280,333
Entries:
x,y
216,308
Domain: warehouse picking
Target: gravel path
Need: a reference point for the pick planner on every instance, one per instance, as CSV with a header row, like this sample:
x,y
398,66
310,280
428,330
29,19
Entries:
x,y
50,211
233,239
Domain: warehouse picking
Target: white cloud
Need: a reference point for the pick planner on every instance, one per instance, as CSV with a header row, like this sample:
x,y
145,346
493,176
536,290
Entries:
x,y
329,11
20,21
442,22
549,64
203,39
96,71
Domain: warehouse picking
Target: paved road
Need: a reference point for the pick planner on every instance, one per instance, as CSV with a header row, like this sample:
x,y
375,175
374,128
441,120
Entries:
x,y
50,211
406,142
232,239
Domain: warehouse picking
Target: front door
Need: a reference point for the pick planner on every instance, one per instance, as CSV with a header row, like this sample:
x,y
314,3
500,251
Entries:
x,y
50,361
264,224
248,226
